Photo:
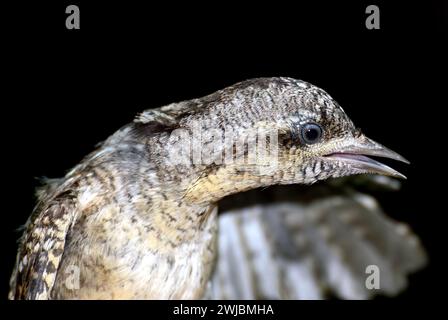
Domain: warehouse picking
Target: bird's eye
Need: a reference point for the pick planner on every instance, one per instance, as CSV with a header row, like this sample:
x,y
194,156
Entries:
x,y
311,133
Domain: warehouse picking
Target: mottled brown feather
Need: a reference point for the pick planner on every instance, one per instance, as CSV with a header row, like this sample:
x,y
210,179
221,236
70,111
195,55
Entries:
x,y
42,248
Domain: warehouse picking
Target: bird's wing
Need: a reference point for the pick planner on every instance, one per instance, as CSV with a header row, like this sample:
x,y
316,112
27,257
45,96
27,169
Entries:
x,y
41,248
313,248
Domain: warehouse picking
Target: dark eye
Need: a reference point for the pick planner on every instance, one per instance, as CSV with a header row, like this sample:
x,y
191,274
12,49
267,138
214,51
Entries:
x,y
311,133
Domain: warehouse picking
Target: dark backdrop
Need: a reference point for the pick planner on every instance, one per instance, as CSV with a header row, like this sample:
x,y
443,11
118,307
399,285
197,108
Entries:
x,y
66,90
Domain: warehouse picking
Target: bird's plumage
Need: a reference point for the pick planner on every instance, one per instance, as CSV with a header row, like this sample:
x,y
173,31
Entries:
x,y
44,246
137,217
312,243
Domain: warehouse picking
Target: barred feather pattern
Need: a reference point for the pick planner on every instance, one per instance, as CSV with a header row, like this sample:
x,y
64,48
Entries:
x,y
301,249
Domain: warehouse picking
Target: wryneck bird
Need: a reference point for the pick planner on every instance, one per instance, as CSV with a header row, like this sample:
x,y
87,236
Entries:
x,y
137,218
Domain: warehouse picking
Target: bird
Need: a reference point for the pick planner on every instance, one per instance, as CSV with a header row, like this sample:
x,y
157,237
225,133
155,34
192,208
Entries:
x,y
138,217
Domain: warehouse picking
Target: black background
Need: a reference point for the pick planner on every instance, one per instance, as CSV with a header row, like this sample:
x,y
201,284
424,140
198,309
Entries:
x,y
65,90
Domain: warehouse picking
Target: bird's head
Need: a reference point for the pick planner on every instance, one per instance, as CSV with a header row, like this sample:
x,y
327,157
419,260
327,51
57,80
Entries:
x,y
318,140
307,137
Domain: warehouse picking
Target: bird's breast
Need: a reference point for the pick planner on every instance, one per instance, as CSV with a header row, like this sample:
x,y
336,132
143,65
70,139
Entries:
x,y
120,255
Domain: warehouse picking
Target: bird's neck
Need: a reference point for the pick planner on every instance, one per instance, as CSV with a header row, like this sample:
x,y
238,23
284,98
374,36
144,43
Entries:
x,y
223,181
204,172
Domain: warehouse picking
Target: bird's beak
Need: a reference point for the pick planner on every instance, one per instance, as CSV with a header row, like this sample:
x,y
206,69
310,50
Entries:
x,y
354,154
